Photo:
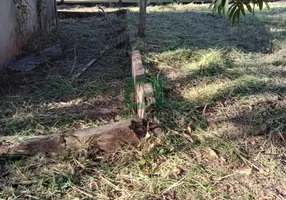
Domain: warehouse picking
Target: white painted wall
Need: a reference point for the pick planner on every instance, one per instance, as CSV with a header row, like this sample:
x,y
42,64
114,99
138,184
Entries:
x,y
11,39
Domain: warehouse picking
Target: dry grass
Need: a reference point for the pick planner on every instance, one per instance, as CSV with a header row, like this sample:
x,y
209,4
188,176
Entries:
x,y
48,100
224,88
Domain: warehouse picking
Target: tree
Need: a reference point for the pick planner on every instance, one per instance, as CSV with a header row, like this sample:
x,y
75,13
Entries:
x,y
142,18
235,8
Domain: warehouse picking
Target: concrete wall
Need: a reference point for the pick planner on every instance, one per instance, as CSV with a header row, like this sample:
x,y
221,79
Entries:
x,y
16,30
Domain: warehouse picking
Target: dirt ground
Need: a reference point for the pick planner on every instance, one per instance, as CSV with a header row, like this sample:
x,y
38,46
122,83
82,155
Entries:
x,y
223,117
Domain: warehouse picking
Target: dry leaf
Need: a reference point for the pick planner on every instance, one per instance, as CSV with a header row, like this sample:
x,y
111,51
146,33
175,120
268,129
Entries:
x,y
211,153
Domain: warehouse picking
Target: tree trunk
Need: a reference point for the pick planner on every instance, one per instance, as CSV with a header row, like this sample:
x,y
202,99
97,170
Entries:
x,y
142,18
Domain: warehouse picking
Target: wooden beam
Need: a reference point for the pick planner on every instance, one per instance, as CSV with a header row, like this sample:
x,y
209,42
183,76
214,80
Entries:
x,y
138,71
85,14
144,94
107,138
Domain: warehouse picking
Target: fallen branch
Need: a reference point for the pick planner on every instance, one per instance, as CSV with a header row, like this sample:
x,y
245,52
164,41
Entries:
x,y
28,182
85,68
30,62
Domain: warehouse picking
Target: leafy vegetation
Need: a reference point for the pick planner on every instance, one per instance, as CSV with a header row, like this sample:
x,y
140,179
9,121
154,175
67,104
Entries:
x,y
234,9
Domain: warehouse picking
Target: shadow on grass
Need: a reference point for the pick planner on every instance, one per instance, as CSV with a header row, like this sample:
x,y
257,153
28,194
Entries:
x,y
254,103
52,101
199,91
202,30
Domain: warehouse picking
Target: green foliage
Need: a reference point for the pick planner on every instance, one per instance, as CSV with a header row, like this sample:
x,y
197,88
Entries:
x,y
234,9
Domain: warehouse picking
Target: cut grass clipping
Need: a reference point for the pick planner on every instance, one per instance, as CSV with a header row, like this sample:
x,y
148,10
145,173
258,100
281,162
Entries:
x,y
223,117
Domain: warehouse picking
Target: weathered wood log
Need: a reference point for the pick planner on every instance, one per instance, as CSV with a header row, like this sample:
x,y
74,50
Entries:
x,y
30,62
107,138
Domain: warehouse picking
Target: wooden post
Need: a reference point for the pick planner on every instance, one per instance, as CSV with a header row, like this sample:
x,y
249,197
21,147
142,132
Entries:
x,y
142,18
138,74
56,13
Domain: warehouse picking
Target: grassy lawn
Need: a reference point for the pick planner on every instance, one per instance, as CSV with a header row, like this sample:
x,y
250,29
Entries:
x,y
223,118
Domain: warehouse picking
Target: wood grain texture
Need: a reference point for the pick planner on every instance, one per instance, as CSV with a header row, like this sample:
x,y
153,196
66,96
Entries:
x,y
107,138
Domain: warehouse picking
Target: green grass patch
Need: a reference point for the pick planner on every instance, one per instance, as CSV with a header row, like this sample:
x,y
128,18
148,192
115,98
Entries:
x,y
223,121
